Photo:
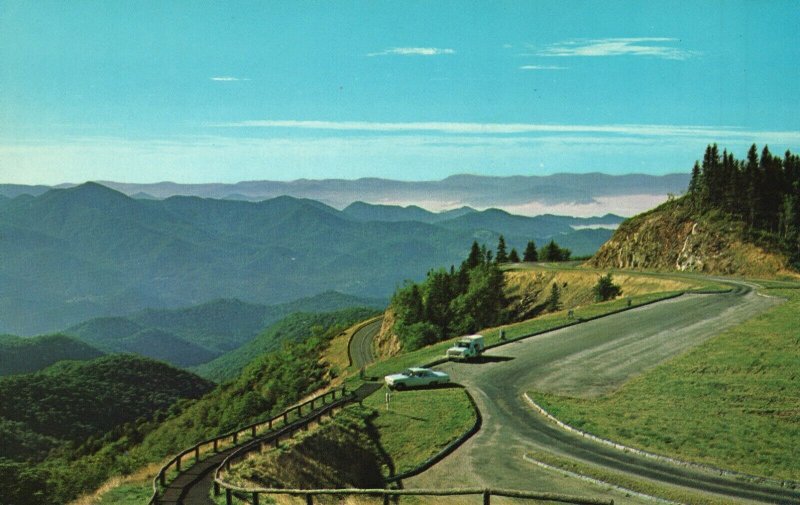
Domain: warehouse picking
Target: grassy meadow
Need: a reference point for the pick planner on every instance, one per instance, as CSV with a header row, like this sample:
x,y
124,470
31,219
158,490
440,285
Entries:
x,y
732,402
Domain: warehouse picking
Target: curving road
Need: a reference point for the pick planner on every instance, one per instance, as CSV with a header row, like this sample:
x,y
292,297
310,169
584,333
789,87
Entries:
x,y
587,360
360,348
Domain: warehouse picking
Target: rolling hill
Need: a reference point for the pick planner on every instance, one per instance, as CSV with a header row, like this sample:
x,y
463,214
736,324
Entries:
x,y
25,355
194,335
70,401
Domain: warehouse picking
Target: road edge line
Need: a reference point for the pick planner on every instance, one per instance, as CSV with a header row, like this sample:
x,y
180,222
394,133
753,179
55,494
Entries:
x,y
599,482
666,459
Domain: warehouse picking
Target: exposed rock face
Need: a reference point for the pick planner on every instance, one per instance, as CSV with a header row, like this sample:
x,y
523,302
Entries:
x,y
669,238
387,344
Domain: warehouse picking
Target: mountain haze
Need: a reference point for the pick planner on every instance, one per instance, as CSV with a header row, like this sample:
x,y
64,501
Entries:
x,y
600,190
89,251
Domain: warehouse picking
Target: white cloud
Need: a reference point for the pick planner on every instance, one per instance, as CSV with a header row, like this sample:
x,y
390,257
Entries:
x,y
657,47
227,78
633,130
413,51
542,67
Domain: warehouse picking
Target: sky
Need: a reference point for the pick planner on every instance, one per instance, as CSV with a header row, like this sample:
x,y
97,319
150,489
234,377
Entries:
x,y
280,90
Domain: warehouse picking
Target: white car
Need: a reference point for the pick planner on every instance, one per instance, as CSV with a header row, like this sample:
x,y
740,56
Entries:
x,y
414,377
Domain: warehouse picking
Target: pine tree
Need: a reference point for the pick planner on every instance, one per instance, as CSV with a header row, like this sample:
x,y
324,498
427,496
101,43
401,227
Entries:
x,y
554,300
513,256
502,256
530,254
475,257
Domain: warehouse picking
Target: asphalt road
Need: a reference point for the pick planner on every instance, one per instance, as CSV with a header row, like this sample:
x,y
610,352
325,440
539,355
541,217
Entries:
x,y
361,344
587,360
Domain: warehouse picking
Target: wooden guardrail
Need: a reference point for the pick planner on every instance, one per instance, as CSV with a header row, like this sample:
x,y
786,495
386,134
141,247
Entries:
x,y
253,496
194,454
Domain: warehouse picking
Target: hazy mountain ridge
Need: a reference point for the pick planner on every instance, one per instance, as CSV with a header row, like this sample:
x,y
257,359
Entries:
x,y
73,254
454,191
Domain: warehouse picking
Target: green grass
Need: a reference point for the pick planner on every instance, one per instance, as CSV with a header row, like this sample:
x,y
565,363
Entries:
x,y
128,494
732,402
420,423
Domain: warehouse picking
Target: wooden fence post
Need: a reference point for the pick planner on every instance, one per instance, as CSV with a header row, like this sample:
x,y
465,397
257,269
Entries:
x,y
197,454
216,488
270,424
286,417
309,499
162,477
228,497
216,444
178,463
254,431
486,497
235,438
255,497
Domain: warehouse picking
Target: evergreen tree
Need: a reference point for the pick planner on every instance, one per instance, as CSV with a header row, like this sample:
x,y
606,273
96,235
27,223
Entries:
x,y
552,252
752,176
695,185
530,254
513,256
502,256
554,300
475,257
605,289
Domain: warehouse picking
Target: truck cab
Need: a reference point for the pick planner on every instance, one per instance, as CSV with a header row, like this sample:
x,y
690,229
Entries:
x,y
467,347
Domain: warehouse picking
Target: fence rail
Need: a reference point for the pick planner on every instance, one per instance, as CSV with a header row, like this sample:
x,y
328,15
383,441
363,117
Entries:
x,y
233,438
252,496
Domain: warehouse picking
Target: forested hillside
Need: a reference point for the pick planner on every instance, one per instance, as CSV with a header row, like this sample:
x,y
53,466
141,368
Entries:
x,y
195,335
738,217
72,409
292,328
24,355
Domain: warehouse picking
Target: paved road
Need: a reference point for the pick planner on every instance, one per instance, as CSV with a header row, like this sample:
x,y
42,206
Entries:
x,y
361,344
587,360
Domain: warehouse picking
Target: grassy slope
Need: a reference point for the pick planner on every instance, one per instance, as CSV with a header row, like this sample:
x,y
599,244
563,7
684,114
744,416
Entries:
x,y
419,424
731,402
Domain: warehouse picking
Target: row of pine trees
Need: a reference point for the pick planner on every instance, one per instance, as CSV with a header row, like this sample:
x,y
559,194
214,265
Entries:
x,y
763,191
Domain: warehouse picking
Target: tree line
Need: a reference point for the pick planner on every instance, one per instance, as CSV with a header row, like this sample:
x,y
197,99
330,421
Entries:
x,y
762,191
462,300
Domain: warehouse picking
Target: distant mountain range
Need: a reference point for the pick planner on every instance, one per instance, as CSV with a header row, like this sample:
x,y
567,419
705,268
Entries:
x,y
600,192
69,255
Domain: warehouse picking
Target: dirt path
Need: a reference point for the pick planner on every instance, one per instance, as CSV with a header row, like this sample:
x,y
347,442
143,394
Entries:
x,y
588,360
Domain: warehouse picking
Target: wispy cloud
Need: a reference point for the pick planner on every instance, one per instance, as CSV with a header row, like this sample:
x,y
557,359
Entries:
x,y
656,47
634,130
542,67
413,51
227,78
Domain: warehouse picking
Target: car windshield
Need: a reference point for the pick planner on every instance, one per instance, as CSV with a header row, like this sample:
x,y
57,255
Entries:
x,y
462,344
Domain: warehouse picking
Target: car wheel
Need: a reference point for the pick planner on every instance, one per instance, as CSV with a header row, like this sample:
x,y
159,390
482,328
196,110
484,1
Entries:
x,y
400,386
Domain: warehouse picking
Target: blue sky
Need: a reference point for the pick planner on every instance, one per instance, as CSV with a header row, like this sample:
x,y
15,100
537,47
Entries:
x,y
223,92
